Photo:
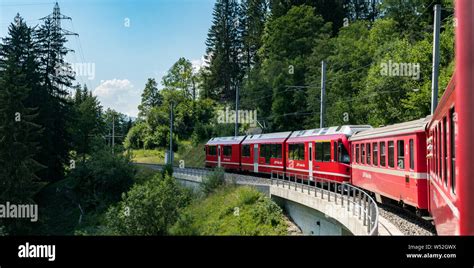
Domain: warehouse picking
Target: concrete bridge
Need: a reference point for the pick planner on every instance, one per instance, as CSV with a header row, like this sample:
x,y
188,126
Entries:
x,y
341,202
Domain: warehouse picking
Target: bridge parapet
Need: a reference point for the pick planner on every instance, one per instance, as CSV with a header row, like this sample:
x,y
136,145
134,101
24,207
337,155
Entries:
x,y
349,205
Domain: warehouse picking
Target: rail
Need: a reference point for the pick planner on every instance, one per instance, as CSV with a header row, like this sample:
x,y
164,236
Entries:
x,y
342,194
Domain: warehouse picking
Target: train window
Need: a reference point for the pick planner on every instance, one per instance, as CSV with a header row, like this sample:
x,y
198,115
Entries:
x,y
227,150
353,151
362,158
343,155
357,153
323,151
445,153
435,154
452,149
382,154
440,142
327,151
212,150
296,151
391,154
412,154
375,154
276,151
368,153
266,152
401,154
246,150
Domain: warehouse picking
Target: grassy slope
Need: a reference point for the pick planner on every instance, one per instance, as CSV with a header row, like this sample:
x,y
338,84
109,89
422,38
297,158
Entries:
x,y
236,211
193,155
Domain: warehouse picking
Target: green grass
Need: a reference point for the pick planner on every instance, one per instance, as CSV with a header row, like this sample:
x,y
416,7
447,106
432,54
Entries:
x,y
232,211
192,155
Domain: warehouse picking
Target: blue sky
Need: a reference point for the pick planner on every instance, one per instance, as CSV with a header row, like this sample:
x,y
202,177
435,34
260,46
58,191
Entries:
x,y
125,41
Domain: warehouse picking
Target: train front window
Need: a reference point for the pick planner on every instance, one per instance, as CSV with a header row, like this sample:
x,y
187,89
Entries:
x,y
391,154
246,150
213,150
401,154
343,155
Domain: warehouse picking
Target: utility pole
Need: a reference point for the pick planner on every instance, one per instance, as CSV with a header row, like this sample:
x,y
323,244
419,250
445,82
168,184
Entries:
x,y
323,94
170,154
113,133
236,132
434,78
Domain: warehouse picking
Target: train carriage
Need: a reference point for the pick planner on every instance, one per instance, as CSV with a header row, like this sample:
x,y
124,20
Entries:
x,y
263,153
322,152
224,152
441,157
390,162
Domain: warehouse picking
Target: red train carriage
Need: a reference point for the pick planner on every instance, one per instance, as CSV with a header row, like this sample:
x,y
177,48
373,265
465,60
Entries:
x,y
263,153
323,152
441,156
390,161
224,152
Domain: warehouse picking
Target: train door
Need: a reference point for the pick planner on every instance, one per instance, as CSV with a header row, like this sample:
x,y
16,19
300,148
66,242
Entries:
x,y
255,158
310,160
218,155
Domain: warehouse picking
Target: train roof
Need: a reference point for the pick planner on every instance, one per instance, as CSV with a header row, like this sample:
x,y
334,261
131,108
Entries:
x,y
418,125
267,137
347,130
226,140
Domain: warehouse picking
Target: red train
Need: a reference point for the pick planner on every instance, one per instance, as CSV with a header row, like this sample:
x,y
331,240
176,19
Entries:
x,y
426,163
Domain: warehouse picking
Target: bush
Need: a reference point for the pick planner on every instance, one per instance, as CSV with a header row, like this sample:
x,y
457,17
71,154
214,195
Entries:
x,y
148,209
213,181
167,170
102,179
232,211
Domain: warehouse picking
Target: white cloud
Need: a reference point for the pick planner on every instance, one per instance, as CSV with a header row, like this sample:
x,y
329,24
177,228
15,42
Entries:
x,y
119,95
198,64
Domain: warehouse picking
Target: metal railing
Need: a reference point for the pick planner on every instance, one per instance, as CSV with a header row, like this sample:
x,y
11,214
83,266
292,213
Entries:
x,y
342,194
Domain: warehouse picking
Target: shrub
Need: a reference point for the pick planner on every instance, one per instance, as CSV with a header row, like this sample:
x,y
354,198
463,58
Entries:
x,y
213,181
148,209
102,179
167,170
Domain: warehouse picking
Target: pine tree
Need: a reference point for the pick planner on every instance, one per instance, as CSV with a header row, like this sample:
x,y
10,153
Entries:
x,y
19,131
223,49
151,97
55,110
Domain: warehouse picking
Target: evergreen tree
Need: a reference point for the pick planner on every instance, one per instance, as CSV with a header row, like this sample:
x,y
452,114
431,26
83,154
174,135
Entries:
x,y
223,50
151,97
55,110
19,131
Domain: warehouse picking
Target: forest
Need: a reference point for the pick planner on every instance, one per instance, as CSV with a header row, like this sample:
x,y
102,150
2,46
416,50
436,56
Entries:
x,y
55,136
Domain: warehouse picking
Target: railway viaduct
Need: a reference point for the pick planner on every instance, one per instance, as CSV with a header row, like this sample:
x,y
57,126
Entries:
x,y
347,205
